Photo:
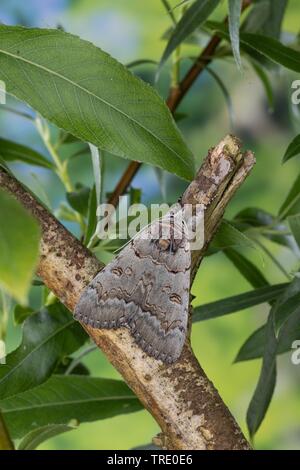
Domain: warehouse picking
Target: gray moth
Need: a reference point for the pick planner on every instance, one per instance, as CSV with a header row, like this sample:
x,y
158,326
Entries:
x,y
146,289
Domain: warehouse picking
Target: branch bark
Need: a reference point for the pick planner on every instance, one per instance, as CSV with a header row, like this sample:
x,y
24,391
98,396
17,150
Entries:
x,y
180,397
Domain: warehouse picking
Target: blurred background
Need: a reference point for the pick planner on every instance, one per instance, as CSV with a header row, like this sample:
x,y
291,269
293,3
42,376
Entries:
x,y
133,30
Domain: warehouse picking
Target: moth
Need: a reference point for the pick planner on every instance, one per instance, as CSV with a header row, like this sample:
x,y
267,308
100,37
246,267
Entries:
x,y
146,289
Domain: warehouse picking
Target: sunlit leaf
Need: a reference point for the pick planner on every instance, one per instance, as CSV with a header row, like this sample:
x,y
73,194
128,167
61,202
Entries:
x,y
48,336
65,398
89,94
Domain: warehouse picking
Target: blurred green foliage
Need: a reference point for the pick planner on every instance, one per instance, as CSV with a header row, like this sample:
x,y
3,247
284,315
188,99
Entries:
x,y
132,30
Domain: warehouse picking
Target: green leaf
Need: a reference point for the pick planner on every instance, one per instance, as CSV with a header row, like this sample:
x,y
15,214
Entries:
x,y
11,151
237,303
288,304
48,336
294,223
253,347
21,313
292,150
246,268
291,205
234,13
267,46
266,384
229,236
194,17
285,310
266,17
169,11
92,216
79,199
83,90
269,225
34,438
65,398
262,75
138,62
19,247
225,92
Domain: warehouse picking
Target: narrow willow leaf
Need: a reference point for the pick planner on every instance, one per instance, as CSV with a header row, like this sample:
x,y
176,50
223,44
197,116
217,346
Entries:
x,y
285,311
19,247
65,398
229,236
271,228
11,151
169,11
137,63
292,150
79,199
246,268
266,17
287,305
83,90
226,94
267,46
262,397
34,438
294,223
48,336
289,324
262,75
237,303
291,205
234,13
253,347
194,16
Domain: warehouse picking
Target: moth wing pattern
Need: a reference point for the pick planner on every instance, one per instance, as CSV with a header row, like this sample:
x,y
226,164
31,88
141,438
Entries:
x,y
146,289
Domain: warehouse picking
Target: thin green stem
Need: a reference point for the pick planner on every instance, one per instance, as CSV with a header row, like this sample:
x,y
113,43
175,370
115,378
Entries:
x,y
61,167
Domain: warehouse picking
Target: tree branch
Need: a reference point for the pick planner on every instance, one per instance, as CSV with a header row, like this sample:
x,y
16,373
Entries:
x,y
175,97
180,397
